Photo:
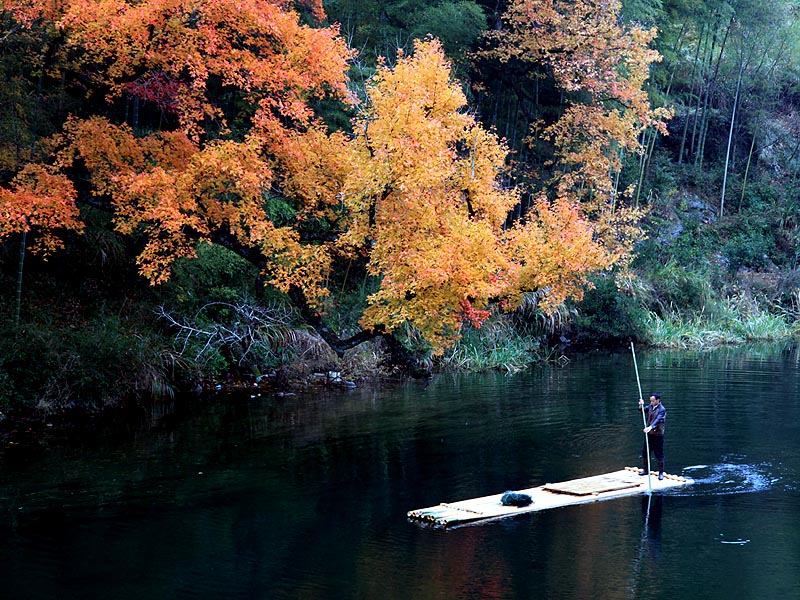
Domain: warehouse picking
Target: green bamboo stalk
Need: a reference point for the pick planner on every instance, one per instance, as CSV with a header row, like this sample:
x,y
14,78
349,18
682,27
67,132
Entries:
x,y
704,125
695,72
730,139
747,167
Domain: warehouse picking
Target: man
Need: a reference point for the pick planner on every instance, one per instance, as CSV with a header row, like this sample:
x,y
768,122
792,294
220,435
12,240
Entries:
x,y
655,418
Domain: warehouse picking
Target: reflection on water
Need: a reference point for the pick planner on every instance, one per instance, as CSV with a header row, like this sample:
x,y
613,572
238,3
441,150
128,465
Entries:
x,y
306,497
738,542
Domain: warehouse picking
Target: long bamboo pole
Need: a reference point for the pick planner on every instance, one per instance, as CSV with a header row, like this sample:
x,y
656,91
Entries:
x,y
18,305
644,420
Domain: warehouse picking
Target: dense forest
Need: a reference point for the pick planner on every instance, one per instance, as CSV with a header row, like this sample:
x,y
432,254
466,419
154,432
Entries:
x,y
205,193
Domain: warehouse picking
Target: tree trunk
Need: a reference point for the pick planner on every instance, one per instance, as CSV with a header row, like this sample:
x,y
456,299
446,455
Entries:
x,y
730,139
400,355
747,168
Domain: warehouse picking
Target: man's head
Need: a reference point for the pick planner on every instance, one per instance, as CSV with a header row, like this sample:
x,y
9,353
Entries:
x,y
655,398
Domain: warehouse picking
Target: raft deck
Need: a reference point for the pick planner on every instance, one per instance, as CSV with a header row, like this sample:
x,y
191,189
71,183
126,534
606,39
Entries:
x,y
625,482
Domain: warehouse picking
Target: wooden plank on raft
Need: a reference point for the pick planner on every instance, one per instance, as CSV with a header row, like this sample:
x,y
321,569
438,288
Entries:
x,y
597,484
624,482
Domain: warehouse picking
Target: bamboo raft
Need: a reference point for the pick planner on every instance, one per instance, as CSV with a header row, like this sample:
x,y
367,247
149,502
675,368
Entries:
x,y
625,482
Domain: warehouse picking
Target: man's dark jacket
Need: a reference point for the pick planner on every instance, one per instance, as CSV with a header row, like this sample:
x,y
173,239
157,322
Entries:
x,y
656,417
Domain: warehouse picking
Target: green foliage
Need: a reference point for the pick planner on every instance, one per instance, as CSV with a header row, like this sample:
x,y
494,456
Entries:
x,y
216,274
344,308
99,365
763,194
458,25
750,242
706,179
735,320
379,28
691,243
279,211
607,315
679,289
646,12
413,341
664,181
673,331
749,249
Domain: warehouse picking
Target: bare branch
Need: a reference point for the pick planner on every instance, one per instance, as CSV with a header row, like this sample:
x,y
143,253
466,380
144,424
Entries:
x,y
245,331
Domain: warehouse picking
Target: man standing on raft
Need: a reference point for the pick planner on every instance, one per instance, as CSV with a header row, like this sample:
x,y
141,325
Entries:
x,y
655,417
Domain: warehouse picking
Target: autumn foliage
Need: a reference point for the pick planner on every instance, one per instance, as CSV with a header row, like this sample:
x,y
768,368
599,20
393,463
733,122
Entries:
x,y
414,188
39,199
424,191
181,186
601,65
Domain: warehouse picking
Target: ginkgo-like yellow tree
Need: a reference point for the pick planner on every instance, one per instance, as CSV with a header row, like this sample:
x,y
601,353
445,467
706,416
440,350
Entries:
x,y
425,193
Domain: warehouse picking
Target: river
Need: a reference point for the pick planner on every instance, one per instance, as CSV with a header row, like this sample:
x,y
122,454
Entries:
x,y
306,496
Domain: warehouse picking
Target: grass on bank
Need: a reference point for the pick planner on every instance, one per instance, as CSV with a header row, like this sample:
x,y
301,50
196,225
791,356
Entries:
x,y
103,363
734,320
498,345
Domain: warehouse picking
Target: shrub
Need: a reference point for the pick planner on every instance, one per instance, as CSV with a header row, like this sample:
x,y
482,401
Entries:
x,y
98,365
751,248
608,315
217,274
678,288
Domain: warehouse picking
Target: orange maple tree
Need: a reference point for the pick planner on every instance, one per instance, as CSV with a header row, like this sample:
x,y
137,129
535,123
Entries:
x,y
236,81
415,188
181,186
42,200
177,47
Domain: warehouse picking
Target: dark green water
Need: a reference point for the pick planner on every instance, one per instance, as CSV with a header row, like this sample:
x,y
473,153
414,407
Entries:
x,y
305,497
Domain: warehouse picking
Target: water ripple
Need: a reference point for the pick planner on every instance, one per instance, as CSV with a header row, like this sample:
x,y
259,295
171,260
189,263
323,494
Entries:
x,y
731,478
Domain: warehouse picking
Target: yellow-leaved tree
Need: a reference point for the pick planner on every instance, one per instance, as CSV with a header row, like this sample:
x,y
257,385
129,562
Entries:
x,y
425,201
427,206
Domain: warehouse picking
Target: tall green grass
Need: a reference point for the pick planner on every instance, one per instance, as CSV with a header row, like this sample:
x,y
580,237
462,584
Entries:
x,y
104,363
497,345
734,320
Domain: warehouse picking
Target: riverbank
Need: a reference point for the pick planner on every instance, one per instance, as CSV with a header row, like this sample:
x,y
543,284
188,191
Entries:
x,y
30,427
503,345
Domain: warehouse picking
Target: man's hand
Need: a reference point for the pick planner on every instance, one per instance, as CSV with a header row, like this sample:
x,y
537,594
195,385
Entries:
x,y
641,403
647,429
